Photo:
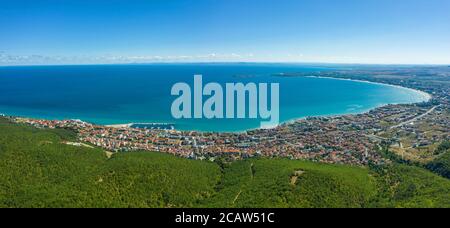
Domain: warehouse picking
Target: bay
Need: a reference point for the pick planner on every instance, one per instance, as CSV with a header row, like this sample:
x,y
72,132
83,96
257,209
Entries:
x,y
119,94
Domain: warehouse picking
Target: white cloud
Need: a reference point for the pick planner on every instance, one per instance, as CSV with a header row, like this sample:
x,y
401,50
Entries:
x,y
7,59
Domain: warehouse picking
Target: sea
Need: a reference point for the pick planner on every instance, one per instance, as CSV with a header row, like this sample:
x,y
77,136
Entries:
x,y
141,93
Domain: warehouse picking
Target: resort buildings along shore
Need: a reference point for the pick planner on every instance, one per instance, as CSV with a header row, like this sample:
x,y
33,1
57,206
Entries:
x,y
411,131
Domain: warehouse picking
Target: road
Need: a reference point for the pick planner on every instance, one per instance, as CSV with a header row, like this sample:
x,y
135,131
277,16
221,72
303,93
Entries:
x,y
416,118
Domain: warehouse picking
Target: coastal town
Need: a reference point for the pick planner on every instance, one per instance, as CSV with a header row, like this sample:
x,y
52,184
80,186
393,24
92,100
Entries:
x,y
411,130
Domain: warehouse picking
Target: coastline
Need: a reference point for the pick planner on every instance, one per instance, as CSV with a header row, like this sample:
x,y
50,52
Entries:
x,y
427,97
423,93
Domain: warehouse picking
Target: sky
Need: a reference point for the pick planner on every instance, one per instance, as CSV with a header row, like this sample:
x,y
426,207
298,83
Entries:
x,y
131,31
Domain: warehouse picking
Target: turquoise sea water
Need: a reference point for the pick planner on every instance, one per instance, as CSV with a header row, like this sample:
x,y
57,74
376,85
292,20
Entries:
x,y
117,94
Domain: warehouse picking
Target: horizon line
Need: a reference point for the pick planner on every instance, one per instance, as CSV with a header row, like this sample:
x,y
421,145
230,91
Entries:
x,y
231,62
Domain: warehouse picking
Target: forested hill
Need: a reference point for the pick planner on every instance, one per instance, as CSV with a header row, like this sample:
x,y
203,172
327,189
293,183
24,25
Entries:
x,y
44,168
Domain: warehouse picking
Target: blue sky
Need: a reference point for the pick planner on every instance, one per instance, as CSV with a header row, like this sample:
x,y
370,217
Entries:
x,y
337,31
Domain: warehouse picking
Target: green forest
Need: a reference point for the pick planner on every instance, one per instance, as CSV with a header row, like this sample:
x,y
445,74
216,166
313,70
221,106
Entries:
x,y
38,170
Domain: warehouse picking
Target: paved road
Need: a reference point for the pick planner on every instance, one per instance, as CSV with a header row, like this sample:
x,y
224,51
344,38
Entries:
x,y
415,119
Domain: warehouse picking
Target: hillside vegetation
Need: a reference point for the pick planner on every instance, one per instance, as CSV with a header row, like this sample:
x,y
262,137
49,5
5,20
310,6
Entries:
x,y
37,169
285,183
441,165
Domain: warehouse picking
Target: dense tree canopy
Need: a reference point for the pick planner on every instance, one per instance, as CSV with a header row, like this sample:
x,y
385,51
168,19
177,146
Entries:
x,y
38,170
